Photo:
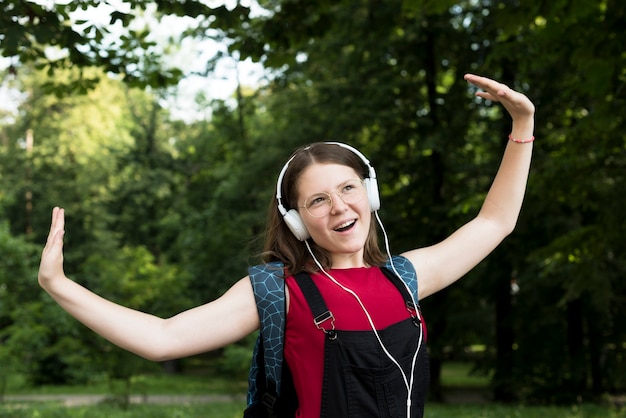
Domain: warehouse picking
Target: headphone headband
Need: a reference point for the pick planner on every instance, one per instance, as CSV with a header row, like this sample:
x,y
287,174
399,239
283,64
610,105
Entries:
x,y
292,217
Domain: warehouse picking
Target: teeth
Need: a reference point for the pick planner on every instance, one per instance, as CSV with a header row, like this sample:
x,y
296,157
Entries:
x,y
345,224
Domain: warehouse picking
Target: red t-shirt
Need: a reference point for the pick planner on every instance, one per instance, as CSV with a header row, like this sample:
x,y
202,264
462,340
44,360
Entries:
x,y
304,343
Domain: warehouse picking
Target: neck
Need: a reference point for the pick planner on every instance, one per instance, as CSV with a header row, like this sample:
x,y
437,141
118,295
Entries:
x,y
347,261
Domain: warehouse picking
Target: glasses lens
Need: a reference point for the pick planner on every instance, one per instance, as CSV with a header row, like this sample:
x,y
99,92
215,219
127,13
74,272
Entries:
x,y
351,192
318,205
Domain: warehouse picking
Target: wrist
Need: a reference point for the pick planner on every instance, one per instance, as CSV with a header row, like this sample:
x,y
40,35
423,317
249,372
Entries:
x,y
521,140
52,283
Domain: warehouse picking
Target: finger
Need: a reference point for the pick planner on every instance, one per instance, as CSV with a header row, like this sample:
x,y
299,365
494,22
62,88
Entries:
x,y
56,241
488,96
491,89
516,103
52,223
60,219
58,236
52,253
484,82
57,223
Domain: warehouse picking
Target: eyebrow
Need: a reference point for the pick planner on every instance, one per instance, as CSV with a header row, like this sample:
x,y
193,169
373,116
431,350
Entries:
x,y
337,186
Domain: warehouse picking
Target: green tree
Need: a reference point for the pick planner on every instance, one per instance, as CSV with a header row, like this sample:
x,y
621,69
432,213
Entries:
x,y
52,37
132,277
226,198
79,145
386,76
569,275
18,261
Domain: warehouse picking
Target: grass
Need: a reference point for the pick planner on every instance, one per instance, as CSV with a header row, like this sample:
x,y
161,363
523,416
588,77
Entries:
x,y
155,384
234,410
50,410
521,411
454,376
458,375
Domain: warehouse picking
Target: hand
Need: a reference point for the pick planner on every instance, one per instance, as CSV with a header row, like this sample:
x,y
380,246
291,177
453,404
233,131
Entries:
x,y
517,104
51,266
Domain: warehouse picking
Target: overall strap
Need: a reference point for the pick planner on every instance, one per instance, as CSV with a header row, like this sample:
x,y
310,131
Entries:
x,y
322,317
268,284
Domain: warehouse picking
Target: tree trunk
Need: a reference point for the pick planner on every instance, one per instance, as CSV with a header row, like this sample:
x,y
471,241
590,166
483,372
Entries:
x,y
575,344
503,382
436,329
172,366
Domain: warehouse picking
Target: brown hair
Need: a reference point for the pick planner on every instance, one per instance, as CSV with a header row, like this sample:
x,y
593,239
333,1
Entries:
x,y
280,243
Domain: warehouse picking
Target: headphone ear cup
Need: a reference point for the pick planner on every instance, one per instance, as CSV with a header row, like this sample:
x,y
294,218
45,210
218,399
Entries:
x,y
296,226
371,187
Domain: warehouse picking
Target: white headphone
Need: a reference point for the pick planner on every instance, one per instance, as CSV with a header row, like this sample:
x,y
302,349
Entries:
x,y
292,217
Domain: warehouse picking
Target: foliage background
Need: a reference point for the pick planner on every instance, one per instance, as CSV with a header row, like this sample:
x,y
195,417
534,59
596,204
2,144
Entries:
x,y
165,214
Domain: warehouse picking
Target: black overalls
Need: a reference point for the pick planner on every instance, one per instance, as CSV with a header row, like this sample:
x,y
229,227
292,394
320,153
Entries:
x,y
359,379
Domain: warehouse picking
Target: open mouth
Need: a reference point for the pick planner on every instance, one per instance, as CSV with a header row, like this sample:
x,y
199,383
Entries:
x,y
345,226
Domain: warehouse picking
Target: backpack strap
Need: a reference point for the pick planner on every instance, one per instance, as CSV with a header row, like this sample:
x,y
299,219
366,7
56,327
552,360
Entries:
x,y
407,273
268,284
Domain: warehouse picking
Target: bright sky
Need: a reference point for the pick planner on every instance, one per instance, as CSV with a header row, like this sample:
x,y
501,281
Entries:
x,y
191,57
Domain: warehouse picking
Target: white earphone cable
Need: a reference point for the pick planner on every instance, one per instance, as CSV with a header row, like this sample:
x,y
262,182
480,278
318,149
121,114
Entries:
x,y
299,230
407,382
417,312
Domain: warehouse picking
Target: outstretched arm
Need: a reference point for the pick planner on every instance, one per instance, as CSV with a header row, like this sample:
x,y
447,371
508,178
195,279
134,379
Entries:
x,y
440,265
207,327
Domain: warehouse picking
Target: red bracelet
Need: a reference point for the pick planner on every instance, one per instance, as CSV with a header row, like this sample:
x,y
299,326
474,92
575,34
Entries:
x,y
521,141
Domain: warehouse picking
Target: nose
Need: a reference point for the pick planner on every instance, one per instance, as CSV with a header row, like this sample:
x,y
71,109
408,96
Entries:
x,y
337,203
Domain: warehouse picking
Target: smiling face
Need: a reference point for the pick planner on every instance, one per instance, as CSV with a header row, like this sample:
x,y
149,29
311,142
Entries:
x,y
344,230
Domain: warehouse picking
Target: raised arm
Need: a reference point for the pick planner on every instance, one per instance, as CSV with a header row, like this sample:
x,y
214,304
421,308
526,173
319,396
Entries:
x,y
440,265
207,327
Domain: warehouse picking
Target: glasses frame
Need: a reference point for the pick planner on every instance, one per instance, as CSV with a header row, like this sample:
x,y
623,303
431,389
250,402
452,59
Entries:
x,y
330,197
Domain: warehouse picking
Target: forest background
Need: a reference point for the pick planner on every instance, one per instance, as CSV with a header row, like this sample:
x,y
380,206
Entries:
x,y
164,212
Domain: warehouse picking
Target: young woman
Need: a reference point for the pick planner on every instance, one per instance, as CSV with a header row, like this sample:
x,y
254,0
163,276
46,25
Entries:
x,y
324,224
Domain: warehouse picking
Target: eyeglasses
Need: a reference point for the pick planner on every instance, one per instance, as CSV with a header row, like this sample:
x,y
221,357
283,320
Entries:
x,y
320,204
